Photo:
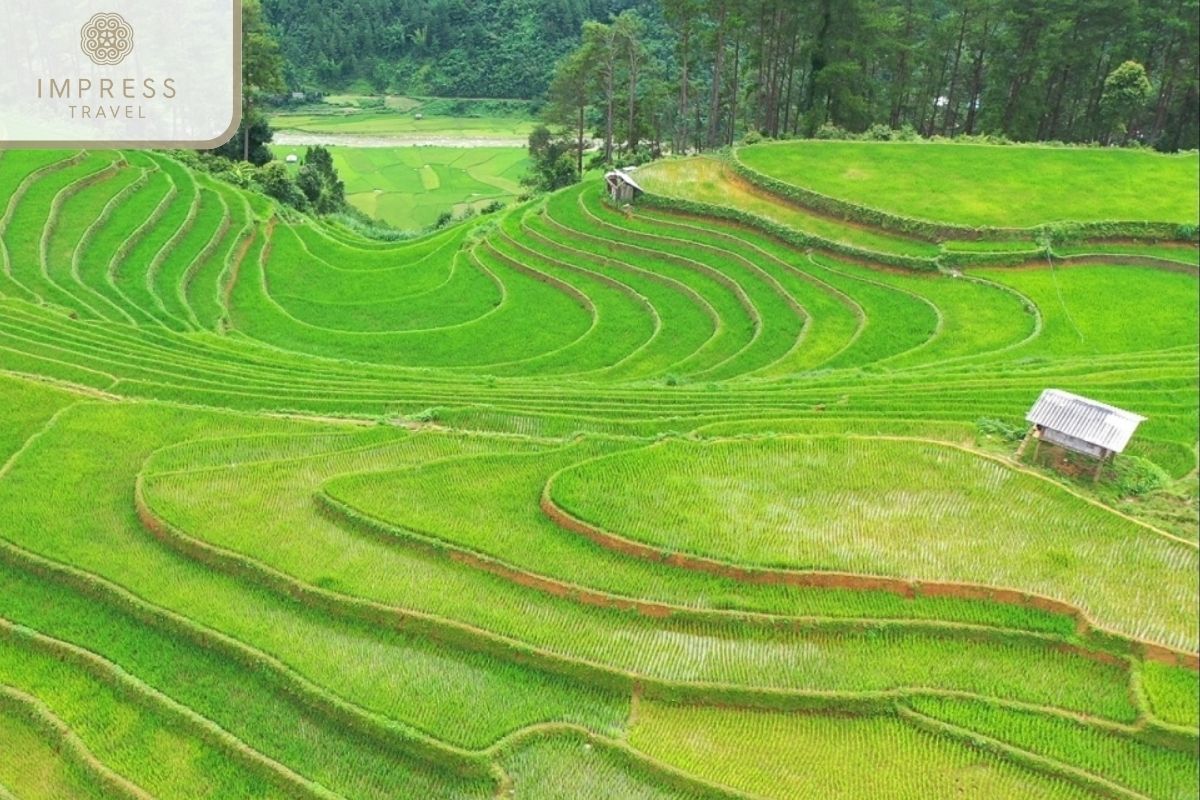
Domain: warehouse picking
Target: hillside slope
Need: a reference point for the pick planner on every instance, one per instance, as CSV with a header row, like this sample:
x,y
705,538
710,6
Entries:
x,y
688,499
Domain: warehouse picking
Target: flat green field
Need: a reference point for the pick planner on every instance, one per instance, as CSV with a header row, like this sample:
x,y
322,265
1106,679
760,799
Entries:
x,y
408,117
579,501
410,187
385,123
1014,186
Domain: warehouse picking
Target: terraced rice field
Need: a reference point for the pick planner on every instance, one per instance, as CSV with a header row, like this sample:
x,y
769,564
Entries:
x,y
1017,186
683,500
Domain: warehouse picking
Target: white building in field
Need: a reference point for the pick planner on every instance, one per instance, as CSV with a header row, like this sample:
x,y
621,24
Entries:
x,y
621,186
1082,425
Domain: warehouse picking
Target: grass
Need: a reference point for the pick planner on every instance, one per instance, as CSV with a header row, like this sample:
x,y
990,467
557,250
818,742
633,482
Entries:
x,y
1107,754
402,123
34,217
1157,307
394,674
261,474
1017,186
29,406
611,639
831,320
151,749
1173,693
568,767
798,755
40,773
1178,253
410,187
836,504
709,180
410,116
248,705
551,318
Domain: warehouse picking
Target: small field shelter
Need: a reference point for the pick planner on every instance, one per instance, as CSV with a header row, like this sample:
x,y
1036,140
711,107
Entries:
x,y
1081,425
622,187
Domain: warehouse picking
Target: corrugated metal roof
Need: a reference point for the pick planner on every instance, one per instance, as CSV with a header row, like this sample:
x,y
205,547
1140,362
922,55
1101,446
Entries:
x,y
622,175
1093,422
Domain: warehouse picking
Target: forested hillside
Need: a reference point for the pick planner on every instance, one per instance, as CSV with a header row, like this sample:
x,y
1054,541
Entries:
x,y
704,72
452,48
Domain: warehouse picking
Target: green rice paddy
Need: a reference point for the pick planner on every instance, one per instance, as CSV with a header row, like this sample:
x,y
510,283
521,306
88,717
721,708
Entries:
x,y
411,187
1015,186
408,116
578,501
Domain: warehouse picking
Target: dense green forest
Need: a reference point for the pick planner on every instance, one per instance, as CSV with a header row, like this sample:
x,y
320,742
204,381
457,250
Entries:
x,y
450,48
704,72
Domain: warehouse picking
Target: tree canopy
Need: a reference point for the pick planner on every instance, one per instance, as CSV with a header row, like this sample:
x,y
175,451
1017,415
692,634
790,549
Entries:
x,y
1028,70
450,48
702,73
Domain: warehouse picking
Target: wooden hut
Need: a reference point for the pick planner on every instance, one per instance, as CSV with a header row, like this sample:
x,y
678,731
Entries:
x,y
622,188
1081,425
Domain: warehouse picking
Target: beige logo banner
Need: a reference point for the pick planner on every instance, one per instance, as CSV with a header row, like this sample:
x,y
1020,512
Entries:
x,y
131,73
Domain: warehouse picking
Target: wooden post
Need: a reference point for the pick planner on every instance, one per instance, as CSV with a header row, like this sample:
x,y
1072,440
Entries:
x,y
1025,441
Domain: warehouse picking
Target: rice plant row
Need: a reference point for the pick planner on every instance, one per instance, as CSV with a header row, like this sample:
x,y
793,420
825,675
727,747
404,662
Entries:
x,y
280,506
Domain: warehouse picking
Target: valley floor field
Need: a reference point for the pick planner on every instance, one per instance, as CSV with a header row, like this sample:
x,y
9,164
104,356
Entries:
x,y
407,161
409,187
407,116
716,495
387,140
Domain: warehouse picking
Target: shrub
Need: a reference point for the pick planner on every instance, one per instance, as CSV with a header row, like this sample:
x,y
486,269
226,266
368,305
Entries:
x,y
1005,431
274,180
830,131
1135,477
427,416
368,227
879,133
